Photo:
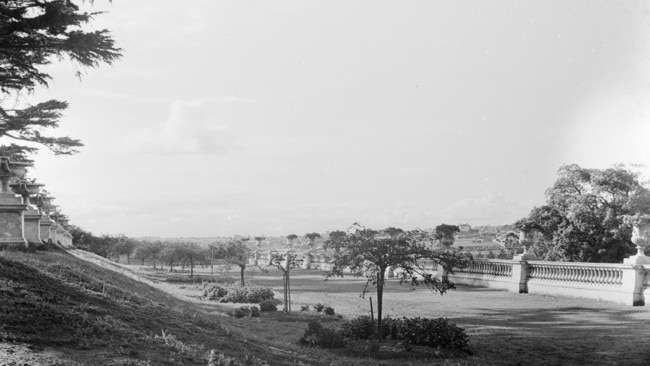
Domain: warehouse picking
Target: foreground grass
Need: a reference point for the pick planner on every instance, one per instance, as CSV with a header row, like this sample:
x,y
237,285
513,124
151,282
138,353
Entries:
x,y
56,309
53,300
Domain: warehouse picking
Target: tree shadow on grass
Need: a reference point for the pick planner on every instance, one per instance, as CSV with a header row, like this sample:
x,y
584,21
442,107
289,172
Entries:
x,y
561,335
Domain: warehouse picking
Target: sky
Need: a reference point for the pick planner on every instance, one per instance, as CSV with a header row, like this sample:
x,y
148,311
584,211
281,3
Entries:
x,y
279,117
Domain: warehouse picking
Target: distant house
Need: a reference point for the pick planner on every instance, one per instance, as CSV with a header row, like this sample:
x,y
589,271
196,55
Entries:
x,y
464,228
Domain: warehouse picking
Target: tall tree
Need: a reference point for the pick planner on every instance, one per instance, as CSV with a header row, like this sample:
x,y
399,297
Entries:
x,y
290,239
32,34
446,234
312,238
369,253
584,218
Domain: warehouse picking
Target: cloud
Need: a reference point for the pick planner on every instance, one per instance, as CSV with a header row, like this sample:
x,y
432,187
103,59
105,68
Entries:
x,y
190,128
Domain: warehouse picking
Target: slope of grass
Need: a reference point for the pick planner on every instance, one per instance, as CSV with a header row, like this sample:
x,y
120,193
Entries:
x,y
54,300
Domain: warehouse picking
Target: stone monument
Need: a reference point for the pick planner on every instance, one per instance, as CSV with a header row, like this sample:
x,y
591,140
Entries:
x,y
31,215
12,230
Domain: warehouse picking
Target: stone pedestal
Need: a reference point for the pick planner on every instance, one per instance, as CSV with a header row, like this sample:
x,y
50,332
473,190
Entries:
x,y
60,235
519,282
32,219
53,237
306,264
45,225
12,230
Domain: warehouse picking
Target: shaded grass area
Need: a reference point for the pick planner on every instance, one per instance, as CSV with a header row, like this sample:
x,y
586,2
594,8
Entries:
x,y
52,299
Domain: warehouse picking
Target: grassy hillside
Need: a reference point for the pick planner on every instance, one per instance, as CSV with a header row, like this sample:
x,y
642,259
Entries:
x,y
67,311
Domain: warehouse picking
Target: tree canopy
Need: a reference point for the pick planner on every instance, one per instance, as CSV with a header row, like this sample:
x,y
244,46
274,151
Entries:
x,y
445,234
369,253
32,34
584,218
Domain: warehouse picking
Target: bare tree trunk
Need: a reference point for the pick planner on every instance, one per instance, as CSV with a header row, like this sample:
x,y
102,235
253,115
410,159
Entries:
x,y
380,297
288,292
241,275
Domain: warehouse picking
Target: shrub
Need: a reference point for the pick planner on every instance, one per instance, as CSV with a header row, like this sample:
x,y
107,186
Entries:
x,y
304,308
329,310
317,336
213,292
241,312
319,307
432,332
359,328
251,294
255,311
268,305
414,331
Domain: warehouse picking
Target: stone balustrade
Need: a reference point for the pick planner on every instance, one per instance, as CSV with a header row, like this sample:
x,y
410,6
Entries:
x,y
592,274
621,283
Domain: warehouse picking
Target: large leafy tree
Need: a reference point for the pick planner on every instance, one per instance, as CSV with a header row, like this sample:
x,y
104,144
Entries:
x,y
33,33
584,218
369,253
446,234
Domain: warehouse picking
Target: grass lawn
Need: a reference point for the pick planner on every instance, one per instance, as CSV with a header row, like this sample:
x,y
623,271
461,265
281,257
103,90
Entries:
x,y
504,328
56,309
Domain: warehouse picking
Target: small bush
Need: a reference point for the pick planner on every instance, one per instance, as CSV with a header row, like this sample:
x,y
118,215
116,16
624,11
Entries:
x,y
241,312
268,305
304,308
328,310
433,333
413,331
319,307
255,311
250,294
317,336
359,328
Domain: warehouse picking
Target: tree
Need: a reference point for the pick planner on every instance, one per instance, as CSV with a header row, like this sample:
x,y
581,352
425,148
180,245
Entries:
x,y
290,239
32,33
446,234
190,254
285,263
148,252
259,240
370,253
236,253
584,218
312,237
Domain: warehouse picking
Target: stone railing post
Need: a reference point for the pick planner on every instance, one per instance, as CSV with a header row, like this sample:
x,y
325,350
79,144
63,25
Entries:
x,y
256,257
306,264
632,286
520,270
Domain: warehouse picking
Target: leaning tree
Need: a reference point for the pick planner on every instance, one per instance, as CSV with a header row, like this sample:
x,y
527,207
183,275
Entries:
x,y
33,33
369,253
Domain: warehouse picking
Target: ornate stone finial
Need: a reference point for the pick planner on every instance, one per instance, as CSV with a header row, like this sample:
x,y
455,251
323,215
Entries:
x,y
526,239
9,170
